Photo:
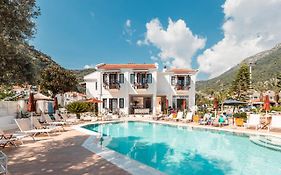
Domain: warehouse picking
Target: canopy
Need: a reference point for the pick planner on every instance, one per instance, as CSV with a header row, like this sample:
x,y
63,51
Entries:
x,y
232,102
266,105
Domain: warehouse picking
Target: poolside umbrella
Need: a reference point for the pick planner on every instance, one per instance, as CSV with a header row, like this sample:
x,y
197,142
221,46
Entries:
x,y
266,105
56,104
31,106
216,106
31,103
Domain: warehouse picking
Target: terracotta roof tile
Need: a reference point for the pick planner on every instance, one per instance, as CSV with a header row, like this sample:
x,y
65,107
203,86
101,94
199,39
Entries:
x,y
126,66
182,71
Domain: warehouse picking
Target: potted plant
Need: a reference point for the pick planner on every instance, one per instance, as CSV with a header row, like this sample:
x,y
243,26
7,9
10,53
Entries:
x,y
240,118
77,108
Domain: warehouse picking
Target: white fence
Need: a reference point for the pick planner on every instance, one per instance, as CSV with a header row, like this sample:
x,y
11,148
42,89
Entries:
x,y
8,112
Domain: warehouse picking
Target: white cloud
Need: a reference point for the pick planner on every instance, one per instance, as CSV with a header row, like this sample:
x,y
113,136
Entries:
x,y
128,23
177,44
250,26
128,31
88,66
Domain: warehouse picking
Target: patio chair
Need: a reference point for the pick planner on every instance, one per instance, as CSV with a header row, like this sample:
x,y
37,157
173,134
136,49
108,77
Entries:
x,y
38,125
25,127
253,121
188,117
275,122
49,121
13,137
179,116
169,117
69,120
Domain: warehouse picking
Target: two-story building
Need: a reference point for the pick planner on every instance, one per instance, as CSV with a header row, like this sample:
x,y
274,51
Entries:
x,y
141,88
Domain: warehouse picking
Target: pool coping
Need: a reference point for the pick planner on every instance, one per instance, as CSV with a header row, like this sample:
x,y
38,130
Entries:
x,y
137,168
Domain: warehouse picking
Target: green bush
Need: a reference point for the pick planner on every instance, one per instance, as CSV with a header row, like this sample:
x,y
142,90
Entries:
x,y
78,108
276,108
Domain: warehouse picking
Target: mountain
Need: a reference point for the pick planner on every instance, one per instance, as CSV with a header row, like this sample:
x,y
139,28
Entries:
x,y
265,67
81,73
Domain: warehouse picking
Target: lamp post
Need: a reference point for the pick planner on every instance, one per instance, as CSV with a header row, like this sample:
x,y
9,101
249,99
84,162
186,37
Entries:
x,y
250,72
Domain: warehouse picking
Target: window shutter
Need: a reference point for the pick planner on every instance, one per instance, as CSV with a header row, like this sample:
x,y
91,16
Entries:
x,y
173,80
149,78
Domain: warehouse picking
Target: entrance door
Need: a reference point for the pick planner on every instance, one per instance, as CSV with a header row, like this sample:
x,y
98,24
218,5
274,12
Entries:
x,y
113,105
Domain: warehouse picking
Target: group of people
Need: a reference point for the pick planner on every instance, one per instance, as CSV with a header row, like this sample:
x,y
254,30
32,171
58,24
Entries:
x,y
219,119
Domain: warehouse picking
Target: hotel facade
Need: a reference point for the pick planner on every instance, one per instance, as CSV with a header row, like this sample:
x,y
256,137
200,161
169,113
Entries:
x,y
141,88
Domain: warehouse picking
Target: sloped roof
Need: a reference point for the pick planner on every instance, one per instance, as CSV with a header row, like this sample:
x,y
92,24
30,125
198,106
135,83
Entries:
x,y
182,71
126,66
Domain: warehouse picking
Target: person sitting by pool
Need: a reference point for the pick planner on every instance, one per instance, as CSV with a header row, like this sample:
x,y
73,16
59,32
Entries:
x,y
222,119
205,119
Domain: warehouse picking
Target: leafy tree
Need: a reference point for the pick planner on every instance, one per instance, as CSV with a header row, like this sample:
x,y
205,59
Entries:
x,y
279,81
16,27
241,84
57,80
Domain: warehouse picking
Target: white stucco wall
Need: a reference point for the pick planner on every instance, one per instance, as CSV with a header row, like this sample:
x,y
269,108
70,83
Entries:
x,y
160,86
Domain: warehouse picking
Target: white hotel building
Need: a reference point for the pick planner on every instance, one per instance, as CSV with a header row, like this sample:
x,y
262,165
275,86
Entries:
x,y
141,88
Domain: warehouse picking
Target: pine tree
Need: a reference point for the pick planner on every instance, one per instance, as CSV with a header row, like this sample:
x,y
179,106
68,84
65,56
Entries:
x,y
241,84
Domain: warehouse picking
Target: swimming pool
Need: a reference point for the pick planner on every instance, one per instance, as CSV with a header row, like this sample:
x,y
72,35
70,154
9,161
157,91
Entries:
x,y
181,150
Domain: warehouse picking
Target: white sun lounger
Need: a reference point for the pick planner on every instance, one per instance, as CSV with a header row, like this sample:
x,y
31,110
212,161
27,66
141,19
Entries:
x,y
188,117
253,121
69,120
275,122
13,136
179,116
49,121
25,127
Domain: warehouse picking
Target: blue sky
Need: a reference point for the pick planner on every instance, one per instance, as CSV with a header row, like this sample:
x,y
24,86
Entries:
x,y
212,35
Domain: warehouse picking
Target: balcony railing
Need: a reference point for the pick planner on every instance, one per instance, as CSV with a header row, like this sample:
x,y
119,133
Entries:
x,y
141,85
114,84
179,87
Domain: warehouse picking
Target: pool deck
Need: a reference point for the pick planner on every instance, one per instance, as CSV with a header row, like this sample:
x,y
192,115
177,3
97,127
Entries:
x,y
63,152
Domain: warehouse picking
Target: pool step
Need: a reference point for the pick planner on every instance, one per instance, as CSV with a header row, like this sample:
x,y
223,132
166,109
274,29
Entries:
x,y
267,142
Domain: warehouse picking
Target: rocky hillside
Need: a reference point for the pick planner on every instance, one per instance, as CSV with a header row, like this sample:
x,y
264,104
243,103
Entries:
x,y
265,66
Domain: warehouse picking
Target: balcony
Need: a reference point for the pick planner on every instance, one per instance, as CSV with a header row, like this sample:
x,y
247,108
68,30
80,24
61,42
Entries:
x,y
141,85
112,85
180,87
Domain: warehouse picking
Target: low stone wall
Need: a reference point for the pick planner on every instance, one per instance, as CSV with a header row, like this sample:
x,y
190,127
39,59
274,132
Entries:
x,y
8,112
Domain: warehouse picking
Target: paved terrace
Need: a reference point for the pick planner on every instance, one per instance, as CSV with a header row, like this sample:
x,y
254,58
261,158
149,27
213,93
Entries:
x,y
63,153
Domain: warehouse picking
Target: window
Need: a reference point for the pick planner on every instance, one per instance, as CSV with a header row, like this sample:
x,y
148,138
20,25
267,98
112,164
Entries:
x,y
187,81
104,78
121,102
132,78
173,80
96,84
121,78
149,78
104,103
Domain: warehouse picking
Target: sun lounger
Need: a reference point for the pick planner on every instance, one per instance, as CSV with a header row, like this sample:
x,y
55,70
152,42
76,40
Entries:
x,y
275,122
253,121
38,125
49,121
13,136
69,120
25,127
179,116
188,117
170,117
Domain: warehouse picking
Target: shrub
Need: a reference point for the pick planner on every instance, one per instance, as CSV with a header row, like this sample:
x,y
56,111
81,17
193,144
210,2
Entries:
x,y
78,108
242,115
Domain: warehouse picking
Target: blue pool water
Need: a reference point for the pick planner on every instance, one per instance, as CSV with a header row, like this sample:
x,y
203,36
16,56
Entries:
x,y
178,150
